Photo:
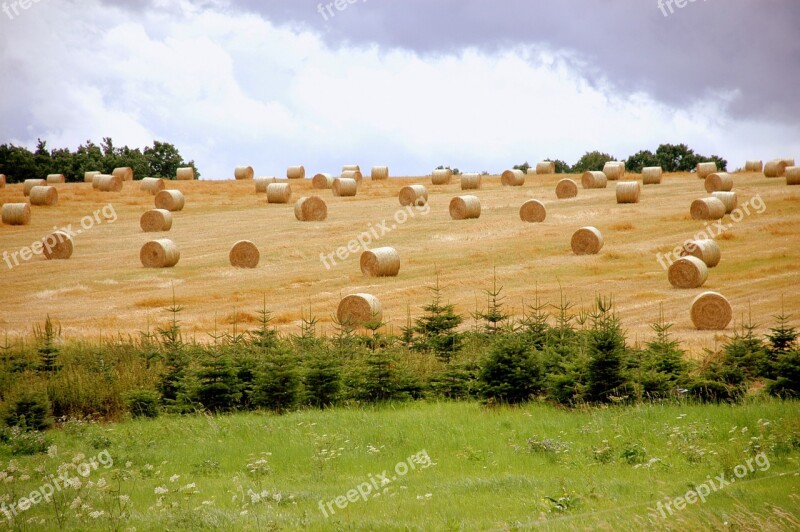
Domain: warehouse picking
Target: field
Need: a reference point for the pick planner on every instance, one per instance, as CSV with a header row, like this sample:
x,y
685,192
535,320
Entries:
x,y
103,289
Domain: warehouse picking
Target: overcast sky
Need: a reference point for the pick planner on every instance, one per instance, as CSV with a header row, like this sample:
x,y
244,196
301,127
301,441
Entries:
x,y
477,84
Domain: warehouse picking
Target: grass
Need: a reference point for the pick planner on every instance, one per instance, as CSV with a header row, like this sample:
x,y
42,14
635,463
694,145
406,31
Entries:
x,y
490,469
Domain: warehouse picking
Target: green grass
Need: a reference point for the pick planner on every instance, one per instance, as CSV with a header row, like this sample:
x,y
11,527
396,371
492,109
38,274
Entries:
x,y
484,473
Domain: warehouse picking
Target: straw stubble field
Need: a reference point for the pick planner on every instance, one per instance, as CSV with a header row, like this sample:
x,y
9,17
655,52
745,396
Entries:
x,y
103,288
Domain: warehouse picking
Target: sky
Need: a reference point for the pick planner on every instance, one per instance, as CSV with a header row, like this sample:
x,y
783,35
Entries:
x,y
476,84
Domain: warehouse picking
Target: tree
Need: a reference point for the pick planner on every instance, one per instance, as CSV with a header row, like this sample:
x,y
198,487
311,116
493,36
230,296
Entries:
x,y
322,380
164,159
524,167
606,352
218,388
47,350
561,166
495,316
436,329
278,383
594,160
676,158
639,160
511,373
782,339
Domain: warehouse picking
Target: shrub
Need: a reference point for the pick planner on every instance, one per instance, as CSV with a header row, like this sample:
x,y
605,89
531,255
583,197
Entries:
x,y
512,372
24,442
142,403
29,411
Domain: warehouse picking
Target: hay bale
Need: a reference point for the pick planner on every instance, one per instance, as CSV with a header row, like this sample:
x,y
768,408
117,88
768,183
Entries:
x,y
470,181
351,168
775,168
244,254
753,166
707,209
594,179
730,200
719,182
345,187
279,193
57,246
243,173
441,176
16,214
355,175
296,172
379,173
706,169
546,167
54,179
96,180
358,309
162,253
170,200
156,220
380,262
262,183
792,175
532,211
153,185
512,178
628,192
125,173
651,175
44,196
614,170
465,208
687,272
310,209
566,188
322,181
185,174
416,195
706,250
587,241
28,184
88,177
108,183
711,312
2,181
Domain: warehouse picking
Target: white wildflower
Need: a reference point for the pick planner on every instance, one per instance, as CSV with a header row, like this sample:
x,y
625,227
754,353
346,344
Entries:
x,y
161,490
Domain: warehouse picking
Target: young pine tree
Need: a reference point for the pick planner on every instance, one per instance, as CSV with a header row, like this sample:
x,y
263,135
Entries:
x,y
277,386
436,329
48,352
606,352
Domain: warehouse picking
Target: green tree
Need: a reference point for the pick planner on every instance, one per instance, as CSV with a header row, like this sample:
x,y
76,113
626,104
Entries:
x,y
48,352
676,158
639,160
218,384
606,352
437,329
561,166
512,372
277,386
322,380
524,167
782,339
594,160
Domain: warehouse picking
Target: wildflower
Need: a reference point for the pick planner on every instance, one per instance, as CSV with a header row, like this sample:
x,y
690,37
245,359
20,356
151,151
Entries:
x,y
161,490
102,483
75,503
174,478
96,514
52,451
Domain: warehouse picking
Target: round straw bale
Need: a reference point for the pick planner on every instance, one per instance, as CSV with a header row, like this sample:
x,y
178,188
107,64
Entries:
x,y
776,168
532,211
125,173
322,181
465,208
628,192
719,182
244,254
614,170
262,183
171,200
753,166
789,162
687,272
470,181
243,173
96,180
706,250
296,172
711,311
310,209
651,175
355,175
707,209
185,174
28,184
358,309
88,177
162,253
587,241
416,195
279,193
566,188
53,179
706,169
379,173
16,213
44,196
546,167
730,200
153,185
792,175
156,220
594,179
108,182
441,176
512,178
380,262
57,246
345,187
2,180
351,168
